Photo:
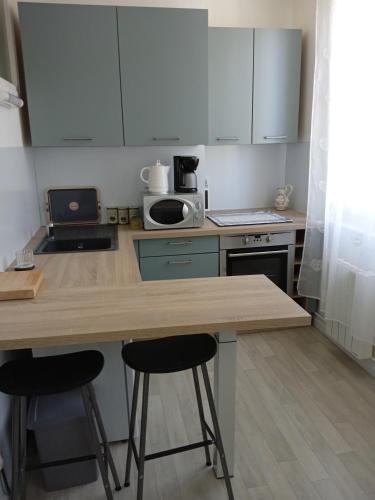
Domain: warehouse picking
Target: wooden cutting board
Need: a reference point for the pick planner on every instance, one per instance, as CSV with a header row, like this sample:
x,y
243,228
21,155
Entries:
x,y
20,284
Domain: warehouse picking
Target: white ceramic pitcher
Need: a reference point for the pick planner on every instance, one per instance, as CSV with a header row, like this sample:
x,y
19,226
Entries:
x,y
283,197
157,179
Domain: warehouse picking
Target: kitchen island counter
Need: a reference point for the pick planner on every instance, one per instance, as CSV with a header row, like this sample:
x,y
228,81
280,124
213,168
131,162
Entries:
x,y
145,310
99,297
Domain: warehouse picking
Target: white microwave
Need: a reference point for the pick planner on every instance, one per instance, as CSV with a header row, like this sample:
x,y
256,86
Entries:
x,y
173,210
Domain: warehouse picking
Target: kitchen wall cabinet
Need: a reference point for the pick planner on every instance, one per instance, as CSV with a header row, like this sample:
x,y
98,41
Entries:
x,y
70,55
277,65
164,75
178,258
102,76
230,76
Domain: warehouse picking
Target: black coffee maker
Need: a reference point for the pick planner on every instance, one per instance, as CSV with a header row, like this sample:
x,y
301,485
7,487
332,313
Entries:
x,y
185,178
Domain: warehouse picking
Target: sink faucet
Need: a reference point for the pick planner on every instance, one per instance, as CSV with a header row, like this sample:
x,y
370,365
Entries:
x,y
50,231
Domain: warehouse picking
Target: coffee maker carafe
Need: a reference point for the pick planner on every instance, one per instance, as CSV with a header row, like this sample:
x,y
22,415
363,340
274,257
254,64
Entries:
x,y
185,178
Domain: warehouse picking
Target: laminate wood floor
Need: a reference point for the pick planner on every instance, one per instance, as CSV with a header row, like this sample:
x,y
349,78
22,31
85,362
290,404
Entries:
x,y
305,429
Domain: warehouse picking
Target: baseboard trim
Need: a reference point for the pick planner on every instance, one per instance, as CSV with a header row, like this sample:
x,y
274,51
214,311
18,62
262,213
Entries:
x,y
320,324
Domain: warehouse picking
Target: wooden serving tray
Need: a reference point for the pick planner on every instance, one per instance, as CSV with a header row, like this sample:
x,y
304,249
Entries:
x,y
20,284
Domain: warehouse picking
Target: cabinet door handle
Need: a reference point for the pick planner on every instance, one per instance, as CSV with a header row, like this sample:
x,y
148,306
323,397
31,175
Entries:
x,y
274,137
177,262
227,138
77,139
255,254
178,243
166,139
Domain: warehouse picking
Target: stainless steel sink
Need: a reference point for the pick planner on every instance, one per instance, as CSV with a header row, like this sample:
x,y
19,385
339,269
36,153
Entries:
x,y
79,239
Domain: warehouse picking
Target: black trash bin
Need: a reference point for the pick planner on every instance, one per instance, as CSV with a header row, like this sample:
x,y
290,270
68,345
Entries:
x,y
62,431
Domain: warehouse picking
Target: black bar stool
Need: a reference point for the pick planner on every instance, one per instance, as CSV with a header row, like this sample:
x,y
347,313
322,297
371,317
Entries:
x,y
169,355
23,378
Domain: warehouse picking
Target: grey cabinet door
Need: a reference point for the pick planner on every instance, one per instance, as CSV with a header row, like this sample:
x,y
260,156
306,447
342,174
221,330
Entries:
x,y
230,76
164,75
178,246
204,265
70,55
277,64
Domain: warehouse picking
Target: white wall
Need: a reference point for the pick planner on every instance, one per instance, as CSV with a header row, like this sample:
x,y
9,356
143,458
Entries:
x,y
239,176
19,213
244,176
297,173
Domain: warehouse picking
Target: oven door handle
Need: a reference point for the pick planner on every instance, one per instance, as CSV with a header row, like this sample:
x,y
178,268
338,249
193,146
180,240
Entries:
x,y
255,254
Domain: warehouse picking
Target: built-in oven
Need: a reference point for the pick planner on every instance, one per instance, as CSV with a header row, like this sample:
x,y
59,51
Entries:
x,y
271,254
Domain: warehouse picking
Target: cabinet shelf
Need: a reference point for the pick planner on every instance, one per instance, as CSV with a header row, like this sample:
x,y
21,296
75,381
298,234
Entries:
x,y
299,245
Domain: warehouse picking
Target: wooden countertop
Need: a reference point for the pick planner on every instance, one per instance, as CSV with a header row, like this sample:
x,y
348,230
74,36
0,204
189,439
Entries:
x,y
99,297
211,229
147,309
120,268
89,269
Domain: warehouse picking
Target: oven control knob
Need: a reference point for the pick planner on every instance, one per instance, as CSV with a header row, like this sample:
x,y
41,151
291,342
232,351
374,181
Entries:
x,y
268,238
246,240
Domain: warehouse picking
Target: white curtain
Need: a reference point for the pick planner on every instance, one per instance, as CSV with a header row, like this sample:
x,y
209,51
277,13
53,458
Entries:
x,y
338,265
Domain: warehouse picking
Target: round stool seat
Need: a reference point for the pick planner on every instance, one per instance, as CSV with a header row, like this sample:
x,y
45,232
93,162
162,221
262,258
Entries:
x,y
50,374
169,354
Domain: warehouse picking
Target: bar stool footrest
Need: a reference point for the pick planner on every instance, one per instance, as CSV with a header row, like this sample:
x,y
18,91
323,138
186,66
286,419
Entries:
x,y
210,432
179,449
56,463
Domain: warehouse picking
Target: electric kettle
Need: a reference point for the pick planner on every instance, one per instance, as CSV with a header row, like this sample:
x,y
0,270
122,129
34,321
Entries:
x,y
157,179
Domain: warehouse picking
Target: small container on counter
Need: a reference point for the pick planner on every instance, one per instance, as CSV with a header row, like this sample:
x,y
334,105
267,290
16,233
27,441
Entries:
x,y
135,218
112,215
123,215
24,260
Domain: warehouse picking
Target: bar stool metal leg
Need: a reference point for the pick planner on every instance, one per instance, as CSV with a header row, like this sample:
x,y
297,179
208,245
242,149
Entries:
x,y
23,446
15,446
142,444
131,428
103,435
201,413
219,442
96,443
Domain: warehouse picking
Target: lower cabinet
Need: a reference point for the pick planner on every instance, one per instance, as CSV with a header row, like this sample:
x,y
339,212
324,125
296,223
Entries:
x,y
179,258
170,267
